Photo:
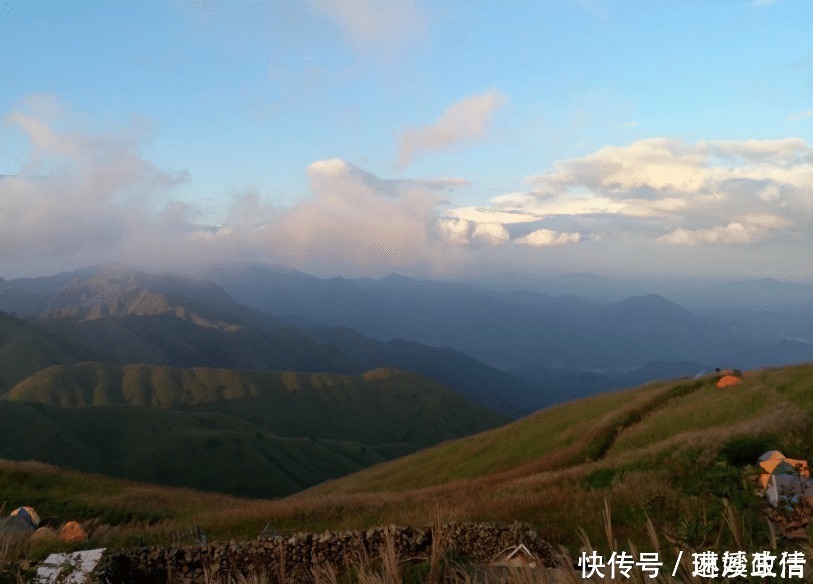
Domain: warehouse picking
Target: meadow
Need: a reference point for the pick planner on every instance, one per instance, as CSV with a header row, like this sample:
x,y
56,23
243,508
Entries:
x,y
668,460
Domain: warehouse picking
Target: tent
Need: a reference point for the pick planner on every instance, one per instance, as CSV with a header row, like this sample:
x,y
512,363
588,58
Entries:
x,y
71,532
788,489
15,525
29,514
772,455
728,381
785,466
773,463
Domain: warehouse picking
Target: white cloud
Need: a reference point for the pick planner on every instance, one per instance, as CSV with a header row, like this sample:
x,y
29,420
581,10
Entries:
x,y
455,230
770,193
494,214
750,229
490,233
464,122
709,192
85,198
547,238
353,221
80,193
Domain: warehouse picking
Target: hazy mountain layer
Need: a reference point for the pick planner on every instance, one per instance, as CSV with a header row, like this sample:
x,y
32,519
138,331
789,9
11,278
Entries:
x,y
512,329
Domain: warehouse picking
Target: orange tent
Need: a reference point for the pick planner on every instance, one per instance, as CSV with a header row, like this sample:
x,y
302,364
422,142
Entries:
x,y
728,381
71,532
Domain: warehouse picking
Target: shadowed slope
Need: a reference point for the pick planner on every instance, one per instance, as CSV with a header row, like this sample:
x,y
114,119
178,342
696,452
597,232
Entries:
x,y
255,433
26,348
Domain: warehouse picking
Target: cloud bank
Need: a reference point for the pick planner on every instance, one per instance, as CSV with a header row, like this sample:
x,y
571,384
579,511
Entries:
x,y
708,193
85,198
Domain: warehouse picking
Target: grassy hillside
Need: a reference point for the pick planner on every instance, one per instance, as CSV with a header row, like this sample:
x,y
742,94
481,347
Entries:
x,y
116,512
672,452
26,348
555,437
167,339
254,433
625,425
666,450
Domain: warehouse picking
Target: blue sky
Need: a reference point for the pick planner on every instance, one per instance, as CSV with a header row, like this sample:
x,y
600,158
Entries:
x,y
437,138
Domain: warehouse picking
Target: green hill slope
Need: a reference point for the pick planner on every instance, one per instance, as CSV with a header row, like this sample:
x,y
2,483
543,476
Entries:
x,y
623,425
566,433
256,433
25,349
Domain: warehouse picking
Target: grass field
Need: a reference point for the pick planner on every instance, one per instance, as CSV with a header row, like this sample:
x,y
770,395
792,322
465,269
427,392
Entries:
x,y
676,453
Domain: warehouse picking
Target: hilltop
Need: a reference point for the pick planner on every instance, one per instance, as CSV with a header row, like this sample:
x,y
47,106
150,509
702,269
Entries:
x,y
252,433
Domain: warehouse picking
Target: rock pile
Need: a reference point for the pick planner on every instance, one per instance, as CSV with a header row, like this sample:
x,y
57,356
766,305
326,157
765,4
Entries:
x,y
296,556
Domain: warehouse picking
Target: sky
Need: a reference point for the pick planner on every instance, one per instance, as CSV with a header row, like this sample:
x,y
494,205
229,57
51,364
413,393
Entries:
x,y
445,138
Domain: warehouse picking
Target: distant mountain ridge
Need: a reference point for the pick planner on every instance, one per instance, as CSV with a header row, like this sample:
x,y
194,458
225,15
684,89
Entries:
x,y
510,330
128,316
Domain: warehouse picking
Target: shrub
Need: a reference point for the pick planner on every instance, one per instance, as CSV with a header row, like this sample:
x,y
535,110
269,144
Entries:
x,y
600,479
743,450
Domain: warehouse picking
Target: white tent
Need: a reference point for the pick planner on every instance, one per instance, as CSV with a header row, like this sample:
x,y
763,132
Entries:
x,y
787,489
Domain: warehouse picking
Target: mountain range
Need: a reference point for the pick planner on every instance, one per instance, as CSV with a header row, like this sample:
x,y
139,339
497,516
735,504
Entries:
x,y
127,316
516,329
280,380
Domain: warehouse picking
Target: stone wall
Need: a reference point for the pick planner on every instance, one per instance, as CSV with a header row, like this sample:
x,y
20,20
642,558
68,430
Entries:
x,y
297,555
